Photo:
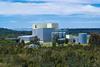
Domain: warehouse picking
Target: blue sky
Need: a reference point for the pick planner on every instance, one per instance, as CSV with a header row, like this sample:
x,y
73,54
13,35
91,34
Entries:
x,y
68,13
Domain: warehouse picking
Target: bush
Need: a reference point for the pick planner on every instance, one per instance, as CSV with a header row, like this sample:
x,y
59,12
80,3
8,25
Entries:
x,y
94,39
69,56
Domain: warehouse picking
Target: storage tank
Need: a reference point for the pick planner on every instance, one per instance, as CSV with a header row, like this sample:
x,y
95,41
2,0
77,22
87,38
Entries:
x,y
83,38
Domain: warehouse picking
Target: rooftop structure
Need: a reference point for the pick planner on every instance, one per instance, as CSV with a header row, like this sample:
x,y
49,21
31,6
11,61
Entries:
x,y
44,25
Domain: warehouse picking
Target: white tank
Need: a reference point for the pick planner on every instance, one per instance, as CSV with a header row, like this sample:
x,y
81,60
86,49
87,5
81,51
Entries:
x,y
44,25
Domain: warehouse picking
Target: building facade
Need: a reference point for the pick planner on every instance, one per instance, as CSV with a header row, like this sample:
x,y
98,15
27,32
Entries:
x,y
44,31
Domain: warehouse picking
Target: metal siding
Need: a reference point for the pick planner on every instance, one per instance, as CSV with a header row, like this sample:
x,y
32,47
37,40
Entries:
x,y
44,34
38,32
47,34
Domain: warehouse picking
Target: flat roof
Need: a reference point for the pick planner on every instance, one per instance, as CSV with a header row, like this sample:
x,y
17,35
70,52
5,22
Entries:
x,y
27,36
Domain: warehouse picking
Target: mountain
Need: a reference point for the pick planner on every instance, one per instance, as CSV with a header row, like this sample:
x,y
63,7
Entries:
x,y
23,29
4,32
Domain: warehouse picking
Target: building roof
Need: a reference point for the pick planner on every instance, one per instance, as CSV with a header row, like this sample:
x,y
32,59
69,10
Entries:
x,y
27,36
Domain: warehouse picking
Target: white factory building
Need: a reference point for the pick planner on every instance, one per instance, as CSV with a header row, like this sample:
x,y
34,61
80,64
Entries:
x,y
42,30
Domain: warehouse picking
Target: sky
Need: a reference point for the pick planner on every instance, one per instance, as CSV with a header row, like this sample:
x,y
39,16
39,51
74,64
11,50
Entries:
x,y
68,13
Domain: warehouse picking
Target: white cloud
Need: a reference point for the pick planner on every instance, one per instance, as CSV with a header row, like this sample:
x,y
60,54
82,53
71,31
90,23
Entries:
x,y
8,8
91,10
71,1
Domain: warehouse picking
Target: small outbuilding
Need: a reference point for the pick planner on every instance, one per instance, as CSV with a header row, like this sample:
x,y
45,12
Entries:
x,y
26,38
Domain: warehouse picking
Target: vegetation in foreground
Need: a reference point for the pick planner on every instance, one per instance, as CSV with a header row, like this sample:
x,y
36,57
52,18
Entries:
x,y
14,55
69,56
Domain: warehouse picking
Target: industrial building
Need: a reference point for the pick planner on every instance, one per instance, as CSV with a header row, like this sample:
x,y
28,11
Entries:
x,y
26,38
44,31
79,35
82,38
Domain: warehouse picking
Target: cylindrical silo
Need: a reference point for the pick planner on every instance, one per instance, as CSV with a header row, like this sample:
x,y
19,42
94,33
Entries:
x,y
83,38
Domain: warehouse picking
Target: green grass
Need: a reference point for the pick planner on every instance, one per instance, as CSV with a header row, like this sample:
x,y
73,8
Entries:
x,y
49,44
7,42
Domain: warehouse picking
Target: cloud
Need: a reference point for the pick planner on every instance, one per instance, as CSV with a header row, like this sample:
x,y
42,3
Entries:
x,y
72,1
58,1
91,10
69,1
26,8
56,7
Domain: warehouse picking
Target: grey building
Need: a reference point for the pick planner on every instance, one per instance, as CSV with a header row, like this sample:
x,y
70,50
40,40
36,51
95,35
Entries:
x,y
44,31
44,34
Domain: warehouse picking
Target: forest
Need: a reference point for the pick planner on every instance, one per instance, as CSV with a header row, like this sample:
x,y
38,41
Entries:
x,y
4,32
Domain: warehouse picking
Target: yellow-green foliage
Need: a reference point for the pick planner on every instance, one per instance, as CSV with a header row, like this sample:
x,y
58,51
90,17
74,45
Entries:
x,y
68,56
7,42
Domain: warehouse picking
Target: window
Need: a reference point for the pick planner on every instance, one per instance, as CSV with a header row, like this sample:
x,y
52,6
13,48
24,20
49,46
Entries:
x,y
35,26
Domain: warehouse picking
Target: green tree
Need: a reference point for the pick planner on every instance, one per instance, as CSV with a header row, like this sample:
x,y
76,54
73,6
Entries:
x,y
94,39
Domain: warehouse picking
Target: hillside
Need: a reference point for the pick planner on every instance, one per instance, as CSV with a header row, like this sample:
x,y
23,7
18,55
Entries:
x,y
12,33
23,29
